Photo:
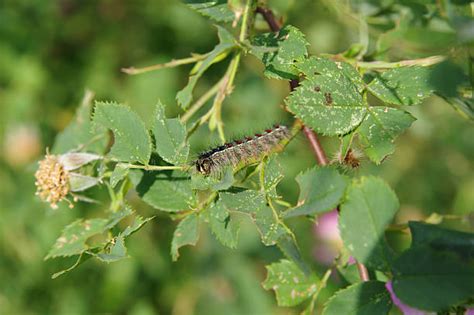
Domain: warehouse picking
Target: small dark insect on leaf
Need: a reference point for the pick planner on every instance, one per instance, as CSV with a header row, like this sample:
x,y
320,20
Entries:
x,y
317,88
328,98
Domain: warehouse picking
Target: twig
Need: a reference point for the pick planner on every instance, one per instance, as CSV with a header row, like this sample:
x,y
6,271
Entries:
x,y
424,62
170,64
309,133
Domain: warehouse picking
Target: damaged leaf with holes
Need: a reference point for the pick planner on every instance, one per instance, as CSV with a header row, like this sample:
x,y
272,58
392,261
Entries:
x,y
328,99
290,284
280,52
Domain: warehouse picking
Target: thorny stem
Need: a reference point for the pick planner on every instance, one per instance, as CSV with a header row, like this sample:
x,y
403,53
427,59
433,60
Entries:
x,y
170,64
309,133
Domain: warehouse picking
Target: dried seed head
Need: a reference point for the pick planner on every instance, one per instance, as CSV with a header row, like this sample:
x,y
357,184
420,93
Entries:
x,y
52,181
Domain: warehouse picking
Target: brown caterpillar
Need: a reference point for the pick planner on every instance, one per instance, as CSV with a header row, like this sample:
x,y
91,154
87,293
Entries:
x,y
240,153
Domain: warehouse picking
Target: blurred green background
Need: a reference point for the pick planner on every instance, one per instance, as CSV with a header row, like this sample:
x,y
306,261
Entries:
x,y
51,51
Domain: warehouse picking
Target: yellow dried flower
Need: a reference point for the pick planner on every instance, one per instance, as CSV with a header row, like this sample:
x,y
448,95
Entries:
x,y
52,181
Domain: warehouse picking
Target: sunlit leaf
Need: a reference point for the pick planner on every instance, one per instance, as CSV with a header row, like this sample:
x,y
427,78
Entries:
x,y
186,233
369,206
328,100
321,189
290,284
131,139
379,130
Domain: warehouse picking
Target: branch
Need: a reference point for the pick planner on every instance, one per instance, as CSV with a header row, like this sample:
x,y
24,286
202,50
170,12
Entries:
x,y
309,133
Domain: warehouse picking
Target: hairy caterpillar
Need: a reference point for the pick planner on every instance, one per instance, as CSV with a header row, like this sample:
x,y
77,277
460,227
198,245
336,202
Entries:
x,y
240,153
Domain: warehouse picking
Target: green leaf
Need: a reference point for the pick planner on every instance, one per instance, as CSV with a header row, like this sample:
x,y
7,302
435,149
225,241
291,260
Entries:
x,y
432,280
289,47
379,130
328,100
119,173
366,298
223,182
138,223
186,233
272,175
253,203
131,139
461,243
369,207
321,189
169,192
170,137
403,86
287,244
79,132
74,236
217,10
114,251
289,283
226,44
224,225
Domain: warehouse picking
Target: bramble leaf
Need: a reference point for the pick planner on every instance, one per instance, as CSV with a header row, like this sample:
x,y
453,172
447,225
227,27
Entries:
x,y
131,139
120,172
380,128
369,297
369,206
328,100
321,189
289,47
226,44
75,235
432,279
217,10
224,225
403,86
458,242
290,284
170,137
253,203
167,192
186,233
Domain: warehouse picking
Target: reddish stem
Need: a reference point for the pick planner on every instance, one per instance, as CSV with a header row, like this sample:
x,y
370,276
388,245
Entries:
x,y
309,133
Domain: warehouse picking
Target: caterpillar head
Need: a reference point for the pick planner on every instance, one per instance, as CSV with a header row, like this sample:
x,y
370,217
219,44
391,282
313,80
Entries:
x,y
204,166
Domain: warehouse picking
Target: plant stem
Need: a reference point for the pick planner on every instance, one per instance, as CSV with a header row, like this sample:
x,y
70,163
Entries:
x,y
202,100
309,133
424,62
154,167
230,75
170,64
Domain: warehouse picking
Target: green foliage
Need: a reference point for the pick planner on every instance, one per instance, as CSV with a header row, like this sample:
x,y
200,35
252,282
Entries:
x,y
290,284
131,139
218,10
361,298
186,233
369,206
380,128
224,225
328,91
280,52
321,190
254,204
403,85
226,44
170,138
167,192
361,99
